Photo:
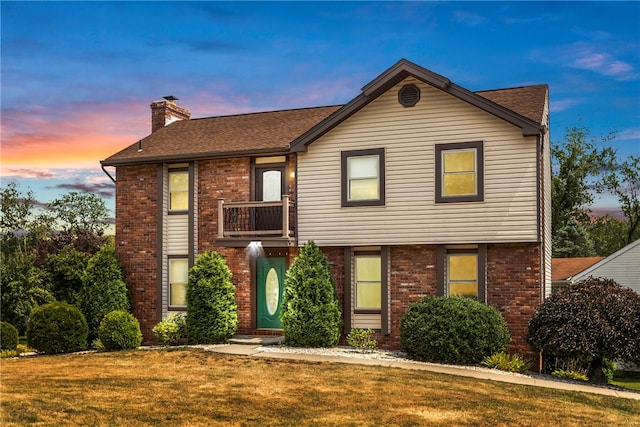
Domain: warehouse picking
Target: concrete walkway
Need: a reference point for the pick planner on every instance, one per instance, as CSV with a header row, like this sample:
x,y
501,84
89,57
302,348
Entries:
x,y
258,348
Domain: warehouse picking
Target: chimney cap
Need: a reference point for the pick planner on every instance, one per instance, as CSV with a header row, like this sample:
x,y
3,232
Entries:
x,y
170,98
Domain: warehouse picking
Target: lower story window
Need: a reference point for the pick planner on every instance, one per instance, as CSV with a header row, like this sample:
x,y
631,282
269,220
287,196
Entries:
x,y
462,274
368,274
178,278
461,271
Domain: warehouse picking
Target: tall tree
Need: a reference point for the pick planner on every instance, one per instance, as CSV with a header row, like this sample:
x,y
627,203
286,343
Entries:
x,y
579,166
624,182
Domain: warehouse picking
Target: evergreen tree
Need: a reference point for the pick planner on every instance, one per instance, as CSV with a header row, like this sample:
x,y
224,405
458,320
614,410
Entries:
x,y
311,314
103,290
212,312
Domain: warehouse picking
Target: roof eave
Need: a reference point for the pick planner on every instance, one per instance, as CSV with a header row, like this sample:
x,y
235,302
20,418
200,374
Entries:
x,y
194,156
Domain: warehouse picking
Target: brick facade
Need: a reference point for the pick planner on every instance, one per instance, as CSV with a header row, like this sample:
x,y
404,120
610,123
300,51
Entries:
x,y
513,286
513,273
136,239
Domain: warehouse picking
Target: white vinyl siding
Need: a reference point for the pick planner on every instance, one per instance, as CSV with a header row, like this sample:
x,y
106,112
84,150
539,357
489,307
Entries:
x,y
367,321
175,232
621,266
410,214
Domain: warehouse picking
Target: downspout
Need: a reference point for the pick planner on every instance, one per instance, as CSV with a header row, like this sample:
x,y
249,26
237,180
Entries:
x,y
107,173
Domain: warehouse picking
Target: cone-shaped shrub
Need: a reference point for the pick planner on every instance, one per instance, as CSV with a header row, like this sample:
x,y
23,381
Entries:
x,y
57,327
212,312
104,289
311,314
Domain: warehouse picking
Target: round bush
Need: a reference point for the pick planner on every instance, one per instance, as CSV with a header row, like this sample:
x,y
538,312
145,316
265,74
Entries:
x,y
212,312
171,329
455,330
8,336
57,327
119,330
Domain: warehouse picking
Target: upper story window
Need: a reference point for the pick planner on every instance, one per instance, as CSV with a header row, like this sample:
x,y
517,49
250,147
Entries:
x,y
178,190
459,172
363,177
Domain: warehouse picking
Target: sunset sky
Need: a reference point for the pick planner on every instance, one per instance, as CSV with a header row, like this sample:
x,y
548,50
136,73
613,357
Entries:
x,y
78,77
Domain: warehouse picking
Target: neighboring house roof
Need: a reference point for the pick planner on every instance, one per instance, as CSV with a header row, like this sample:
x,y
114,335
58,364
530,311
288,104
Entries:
x,y
622,266
278,132
567,268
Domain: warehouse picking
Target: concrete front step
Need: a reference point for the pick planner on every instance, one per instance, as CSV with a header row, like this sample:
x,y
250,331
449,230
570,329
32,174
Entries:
x,y
256,340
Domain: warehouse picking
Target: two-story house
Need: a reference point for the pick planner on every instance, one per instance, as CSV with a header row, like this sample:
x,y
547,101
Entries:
x,y
415,187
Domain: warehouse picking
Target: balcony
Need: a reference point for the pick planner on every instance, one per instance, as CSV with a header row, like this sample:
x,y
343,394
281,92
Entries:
x,y
273,223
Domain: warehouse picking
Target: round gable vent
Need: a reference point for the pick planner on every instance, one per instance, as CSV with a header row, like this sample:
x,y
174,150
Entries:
x,y
409,95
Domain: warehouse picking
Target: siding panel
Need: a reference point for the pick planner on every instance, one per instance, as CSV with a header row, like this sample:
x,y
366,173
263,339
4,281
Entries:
x,y
410,215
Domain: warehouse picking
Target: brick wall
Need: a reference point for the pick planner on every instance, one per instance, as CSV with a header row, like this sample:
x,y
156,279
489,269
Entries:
x,y
136,240
229,179
513,286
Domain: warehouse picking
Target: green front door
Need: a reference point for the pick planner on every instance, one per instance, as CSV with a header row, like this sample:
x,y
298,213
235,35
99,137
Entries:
x,y
270,272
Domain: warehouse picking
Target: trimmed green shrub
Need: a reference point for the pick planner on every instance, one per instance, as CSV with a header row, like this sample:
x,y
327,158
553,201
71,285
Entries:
x,y
119,330
57,327
506,362
455,330
362,339
104,289
569,375
597,318
8,336
171,329
212,312
311,314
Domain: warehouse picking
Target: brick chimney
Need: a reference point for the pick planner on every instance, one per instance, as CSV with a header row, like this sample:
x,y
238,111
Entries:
x,y
167,111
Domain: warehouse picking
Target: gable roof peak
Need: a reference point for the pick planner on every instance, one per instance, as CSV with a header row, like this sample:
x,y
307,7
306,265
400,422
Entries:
x,y
400,71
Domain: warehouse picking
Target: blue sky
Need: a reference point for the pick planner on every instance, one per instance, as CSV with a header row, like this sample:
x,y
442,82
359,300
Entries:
x,y
78,77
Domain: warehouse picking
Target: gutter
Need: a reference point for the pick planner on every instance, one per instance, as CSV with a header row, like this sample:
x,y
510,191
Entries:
x,y
107,173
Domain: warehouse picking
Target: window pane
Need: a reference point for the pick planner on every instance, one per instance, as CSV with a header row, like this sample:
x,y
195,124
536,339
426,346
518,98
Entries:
x,y
459,160
178,191
178,294
463,267
459,184
179,201
368,282
362,167
465,289
369,296
271,186
363,189
178,181
178,271
368,268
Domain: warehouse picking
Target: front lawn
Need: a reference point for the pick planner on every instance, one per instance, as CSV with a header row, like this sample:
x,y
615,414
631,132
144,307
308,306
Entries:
x,y
194,387
630,380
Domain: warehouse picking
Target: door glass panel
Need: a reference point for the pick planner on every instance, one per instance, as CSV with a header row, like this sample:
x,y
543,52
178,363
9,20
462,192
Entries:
x,y
272,291
271,186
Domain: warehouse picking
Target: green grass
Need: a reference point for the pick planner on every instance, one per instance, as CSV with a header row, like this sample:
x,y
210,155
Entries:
x,y
630,380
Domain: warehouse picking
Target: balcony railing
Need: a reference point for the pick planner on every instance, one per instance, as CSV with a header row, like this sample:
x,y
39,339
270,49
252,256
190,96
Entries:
x,y
256,219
